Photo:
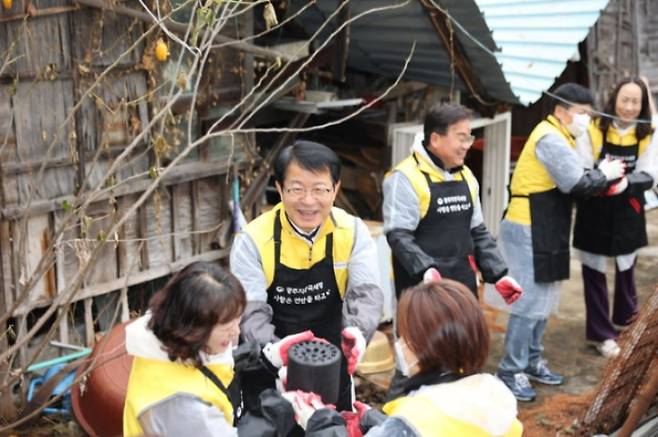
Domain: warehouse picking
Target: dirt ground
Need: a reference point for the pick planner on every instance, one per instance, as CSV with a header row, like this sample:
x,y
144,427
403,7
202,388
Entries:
x,y
565,347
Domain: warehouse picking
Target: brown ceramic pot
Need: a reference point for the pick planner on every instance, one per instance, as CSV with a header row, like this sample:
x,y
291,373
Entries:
x,y
99,398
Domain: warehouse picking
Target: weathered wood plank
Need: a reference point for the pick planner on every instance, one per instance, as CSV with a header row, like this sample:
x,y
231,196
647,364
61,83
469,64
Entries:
x,y
67,251
36,126
181,211
158,229
9,193
136,278
209,210
37,239
182,173
6,280
128,249
107,121
105,268
89,321
42,44
101,36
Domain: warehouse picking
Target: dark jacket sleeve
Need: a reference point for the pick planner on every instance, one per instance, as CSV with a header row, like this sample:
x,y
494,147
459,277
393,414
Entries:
x,y
592,182
487,256
408,252
329,423
638,183
274,417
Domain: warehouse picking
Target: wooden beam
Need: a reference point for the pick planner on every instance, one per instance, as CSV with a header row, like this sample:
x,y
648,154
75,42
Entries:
x,y
462,64
262,52
342,45
132,279
182,173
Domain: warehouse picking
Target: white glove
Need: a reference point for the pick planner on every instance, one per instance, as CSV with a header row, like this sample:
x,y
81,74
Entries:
x,y
353,344
277,353
431,275
618,187
282,381
612,168
304,404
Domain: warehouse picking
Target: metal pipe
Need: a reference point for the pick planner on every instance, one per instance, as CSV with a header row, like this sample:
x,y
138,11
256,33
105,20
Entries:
x,y
59,360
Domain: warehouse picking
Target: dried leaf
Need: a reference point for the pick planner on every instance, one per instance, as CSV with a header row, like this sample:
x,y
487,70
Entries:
x,y
269,15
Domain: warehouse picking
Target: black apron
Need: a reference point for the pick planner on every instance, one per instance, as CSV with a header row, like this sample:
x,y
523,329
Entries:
x,y
550,225
307,299
613,225
444,234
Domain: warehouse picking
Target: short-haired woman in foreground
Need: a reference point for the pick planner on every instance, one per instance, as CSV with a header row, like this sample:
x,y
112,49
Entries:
x,y
443,345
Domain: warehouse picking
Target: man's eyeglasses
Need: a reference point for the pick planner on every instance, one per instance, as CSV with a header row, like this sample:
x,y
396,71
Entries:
x,y
316,192
467,140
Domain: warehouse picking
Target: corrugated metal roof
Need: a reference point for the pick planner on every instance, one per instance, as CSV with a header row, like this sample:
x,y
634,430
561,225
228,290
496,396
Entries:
x,y
537,37
380,42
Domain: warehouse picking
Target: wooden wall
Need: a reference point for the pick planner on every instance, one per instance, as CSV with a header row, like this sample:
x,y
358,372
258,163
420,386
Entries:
x,y
646,17
59,53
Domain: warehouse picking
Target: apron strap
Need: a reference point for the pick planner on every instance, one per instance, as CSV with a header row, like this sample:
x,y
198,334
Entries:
x,y
329,247
277,240
215,380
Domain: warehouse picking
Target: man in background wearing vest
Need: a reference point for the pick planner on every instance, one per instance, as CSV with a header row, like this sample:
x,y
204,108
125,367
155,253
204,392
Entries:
x,y
306,265
534,234
432,213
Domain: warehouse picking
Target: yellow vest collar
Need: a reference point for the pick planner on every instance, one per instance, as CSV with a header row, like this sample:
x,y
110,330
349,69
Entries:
x,y
326,228
425,163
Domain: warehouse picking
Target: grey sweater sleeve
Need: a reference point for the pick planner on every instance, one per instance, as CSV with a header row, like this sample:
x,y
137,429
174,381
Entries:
x,y
184,414
364,298
566,167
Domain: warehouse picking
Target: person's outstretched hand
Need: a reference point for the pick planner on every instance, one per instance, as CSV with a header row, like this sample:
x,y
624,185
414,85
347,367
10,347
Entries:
x,y
509,289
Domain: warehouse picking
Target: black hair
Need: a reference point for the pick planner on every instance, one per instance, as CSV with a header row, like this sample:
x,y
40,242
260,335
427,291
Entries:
x,y
641,129
185,311
311,156
569,93
441,116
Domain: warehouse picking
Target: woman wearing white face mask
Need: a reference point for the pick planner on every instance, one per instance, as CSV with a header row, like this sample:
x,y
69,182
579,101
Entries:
x,y
444,342
614,225
535,232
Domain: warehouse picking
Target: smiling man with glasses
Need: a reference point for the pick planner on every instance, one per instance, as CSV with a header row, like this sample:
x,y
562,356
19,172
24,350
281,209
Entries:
x,y
433,217
307,265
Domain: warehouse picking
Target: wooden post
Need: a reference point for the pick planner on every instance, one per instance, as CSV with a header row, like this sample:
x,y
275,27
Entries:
x,y
642,403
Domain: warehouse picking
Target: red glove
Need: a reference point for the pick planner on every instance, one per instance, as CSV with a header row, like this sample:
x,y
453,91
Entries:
x,y
353,345
617,187
509,289
277,353
431,275
353,419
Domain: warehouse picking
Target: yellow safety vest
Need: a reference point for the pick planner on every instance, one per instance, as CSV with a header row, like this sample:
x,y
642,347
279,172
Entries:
x,y
530,176
430,421
613,137
413,168
295,252
152,381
